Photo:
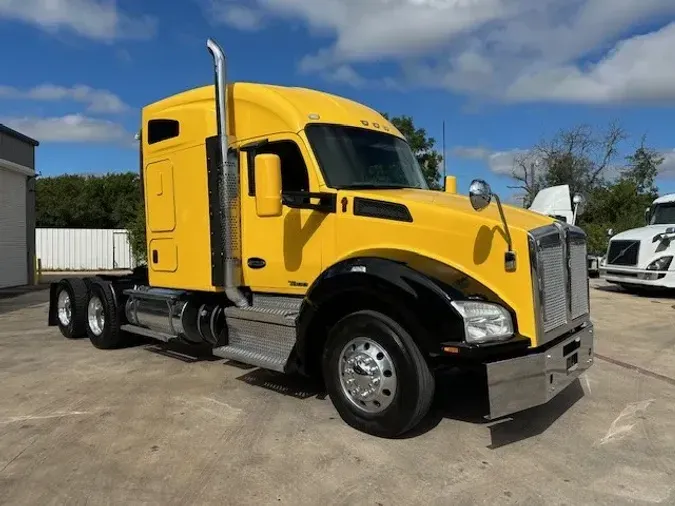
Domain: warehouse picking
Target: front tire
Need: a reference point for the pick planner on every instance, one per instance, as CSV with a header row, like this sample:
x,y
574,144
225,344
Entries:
x,y
376,376
103,318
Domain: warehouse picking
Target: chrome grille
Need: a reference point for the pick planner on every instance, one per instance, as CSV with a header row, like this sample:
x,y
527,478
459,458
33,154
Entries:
x,y
554,300
578,278
560,274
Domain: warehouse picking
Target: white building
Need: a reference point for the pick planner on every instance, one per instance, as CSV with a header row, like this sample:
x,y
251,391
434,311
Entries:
x,y
17,208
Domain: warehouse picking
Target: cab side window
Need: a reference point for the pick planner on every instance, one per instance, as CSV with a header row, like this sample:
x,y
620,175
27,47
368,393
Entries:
x,y
294,175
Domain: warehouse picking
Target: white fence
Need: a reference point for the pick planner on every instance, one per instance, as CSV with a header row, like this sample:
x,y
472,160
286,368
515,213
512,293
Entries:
x,y
71,249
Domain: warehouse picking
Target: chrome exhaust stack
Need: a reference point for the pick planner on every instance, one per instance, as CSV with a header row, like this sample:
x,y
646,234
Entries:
x,y
231,228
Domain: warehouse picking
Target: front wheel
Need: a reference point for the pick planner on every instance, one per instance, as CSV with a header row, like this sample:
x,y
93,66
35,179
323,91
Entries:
x,y
376,375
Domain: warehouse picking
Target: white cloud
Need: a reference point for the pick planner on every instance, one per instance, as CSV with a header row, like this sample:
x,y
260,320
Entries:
x,y
234,14
94,19
667,169
71,128
97,101
499,162
635,70
507,49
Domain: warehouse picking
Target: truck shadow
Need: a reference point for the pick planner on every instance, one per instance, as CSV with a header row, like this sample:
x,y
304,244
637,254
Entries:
x,y
459,396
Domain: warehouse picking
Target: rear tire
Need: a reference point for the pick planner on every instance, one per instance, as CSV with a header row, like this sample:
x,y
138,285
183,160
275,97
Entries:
x,y
103,317
71,307
376,376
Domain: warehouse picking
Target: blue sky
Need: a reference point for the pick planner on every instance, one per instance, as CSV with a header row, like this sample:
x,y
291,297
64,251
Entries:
x,y
502,74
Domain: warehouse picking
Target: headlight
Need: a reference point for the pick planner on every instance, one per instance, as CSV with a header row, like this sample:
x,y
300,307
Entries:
x,y
484,322
661,264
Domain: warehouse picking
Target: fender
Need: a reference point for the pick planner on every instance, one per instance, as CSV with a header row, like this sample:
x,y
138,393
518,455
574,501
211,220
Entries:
x,y
417,299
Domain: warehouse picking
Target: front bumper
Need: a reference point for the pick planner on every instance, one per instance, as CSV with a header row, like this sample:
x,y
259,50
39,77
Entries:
x,y
637,276
524,382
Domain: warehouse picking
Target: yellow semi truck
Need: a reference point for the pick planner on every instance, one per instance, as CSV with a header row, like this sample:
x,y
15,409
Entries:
x,y
293,230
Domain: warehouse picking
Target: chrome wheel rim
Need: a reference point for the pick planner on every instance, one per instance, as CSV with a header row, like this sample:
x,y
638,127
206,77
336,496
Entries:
x,y
367,375
64,308
95,315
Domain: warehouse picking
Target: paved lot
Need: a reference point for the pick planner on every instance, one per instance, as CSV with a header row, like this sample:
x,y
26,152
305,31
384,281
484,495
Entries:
x,y
146,426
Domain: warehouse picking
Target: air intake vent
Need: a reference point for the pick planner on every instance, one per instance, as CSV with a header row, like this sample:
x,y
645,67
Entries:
x,y
379,209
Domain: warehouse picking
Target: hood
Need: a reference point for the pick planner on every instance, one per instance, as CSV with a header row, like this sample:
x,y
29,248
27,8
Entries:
x,y
448,240
516,217
649,249
641,234
554,201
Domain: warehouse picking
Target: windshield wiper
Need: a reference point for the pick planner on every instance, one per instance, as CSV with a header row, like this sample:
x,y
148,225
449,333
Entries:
x,y
375,186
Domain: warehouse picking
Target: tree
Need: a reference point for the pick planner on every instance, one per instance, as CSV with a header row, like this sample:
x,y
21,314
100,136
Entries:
x,y
86,201
586,161
422,146
577,157
620,204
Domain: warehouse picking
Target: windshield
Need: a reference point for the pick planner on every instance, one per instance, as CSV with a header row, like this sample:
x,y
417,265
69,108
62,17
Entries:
x,y
352,157
663,214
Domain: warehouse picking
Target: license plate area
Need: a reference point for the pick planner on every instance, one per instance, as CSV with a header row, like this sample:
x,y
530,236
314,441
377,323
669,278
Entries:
x,y
572,362
571,355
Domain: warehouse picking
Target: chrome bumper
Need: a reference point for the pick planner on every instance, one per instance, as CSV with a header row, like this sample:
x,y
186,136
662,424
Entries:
x,y
524,382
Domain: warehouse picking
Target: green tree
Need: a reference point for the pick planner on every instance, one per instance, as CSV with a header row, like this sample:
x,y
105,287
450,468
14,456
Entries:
x,y
620,204
422,146
86,201
616,194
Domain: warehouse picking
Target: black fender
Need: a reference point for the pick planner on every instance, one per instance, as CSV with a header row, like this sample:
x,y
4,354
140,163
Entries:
x,y
417,301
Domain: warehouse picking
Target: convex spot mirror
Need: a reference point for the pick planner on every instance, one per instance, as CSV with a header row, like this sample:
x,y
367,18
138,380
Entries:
x,y
580,202
480,194
268,185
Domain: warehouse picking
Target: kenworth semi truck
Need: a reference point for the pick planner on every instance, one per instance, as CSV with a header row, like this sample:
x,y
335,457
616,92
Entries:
x,y
293,230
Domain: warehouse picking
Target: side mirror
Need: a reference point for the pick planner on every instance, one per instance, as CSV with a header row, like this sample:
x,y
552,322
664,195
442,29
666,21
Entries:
x,y
610,232
647,215
450,184
480,194
268,185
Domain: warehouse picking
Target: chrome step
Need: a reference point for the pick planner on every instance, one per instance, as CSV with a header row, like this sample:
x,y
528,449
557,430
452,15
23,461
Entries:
x,y
262,335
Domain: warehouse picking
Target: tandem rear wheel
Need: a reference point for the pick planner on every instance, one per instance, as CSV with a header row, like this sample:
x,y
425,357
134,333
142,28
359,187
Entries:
x,y
103,317
71,307
376,376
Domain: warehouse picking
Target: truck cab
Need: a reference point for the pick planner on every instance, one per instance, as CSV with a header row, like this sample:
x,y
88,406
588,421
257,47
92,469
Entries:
x,y
293,230
643,257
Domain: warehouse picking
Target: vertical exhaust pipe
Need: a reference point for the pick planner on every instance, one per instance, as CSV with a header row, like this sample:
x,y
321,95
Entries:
x,y
229,192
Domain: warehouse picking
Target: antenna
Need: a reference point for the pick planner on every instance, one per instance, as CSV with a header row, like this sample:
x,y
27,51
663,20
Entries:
x,y
444,150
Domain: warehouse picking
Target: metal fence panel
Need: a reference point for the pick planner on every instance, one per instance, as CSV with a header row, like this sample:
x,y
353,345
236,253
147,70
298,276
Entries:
x,y
71,249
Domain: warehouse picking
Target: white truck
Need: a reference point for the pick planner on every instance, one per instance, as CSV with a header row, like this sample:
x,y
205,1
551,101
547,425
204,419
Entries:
x,y
643,257
555,202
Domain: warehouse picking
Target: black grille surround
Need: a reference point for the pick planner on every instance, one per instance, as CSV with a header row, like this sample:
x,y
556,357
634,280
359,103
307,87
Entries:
x,y
380,209
623,252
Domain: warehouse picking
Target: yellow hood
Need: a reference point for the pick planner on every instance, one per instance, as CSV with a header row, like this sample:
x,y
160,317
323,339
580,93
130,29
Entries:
x,y
449,240
517,218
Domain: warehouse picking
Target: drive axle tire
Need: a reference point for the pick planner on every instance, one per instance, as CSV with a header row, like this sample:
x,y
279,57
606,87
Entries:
x,y
103,318
376,376
71,307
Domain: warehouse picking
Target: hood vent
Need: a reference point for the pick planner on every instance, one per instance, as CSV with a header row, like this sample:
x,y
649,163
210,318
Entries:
x,y
381,209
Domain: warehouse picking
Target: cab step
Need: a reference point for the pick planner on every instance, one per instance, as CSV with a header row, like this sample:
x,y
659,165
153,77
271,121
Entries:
x,y
263,334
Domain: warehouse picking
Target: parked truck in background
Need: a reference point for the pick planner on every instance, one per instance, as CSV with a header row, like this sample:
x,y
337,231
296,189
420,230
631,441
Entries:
x,y
556,202
643,257
293,230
